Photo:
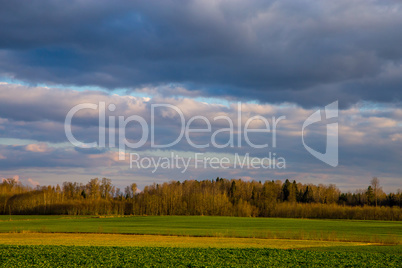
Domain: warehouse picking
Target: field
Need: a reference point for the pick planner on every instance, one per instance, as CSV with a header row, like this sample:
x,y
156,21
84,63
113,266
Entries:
x,y
120,240
304,229
67,256
196,241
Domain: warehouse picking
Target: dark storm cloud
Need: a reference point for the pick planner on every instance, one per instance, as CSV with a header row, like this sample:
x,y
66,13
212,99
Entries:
x,y
306,52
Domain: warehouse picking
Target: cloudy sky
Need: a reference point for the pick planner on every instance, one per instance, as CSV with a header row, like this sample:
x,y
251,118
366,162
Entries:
x,y
207,58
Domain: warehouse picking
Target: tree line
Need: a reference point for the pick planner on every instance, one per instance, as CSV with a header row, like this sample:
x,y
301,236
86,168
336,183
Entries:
x,y
221,197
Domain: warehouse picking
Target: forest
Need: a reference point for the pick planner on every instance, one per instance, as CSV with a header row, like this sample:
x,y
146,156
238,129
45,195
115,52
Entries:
x,y
219,197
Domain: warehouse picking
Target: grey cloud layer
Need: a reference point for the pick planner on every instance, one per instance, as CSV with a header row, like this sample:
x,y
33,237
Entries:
x,y
306,52
370,138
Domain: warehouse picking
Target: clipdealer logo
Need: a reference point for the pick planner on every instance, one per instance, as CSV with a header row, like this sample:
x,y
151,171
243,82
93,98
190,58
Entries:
x,y
331,152
237,133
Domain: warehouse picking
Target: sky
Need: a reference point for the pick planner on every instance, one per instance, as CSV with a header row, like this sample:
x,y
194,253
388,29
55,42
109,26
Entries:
x,y
267,61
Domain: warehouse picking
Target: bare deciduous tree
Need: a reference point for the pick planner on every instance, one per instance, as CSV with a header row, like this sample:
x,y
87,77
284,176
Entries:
x,y
375,184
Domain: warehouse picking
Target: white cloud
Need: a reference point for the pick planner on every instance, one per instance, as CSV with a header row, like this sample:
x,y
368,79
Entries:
x,y
32,182
38,148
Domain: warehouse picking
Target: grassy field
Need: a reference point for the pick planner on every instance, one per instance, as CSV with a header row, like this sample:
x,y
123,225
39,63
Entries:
x,y
273,228
68,256
196,241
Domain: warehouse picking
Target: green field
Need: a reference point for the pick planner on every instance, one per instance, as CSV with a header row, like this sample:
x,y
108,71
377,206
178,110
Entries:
x,y
196,241
305,229
57,256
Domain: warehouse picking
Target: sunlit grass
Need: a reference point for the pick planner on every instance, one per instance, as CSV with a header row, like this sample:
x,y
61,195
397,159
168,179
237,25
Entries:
x,y
78,239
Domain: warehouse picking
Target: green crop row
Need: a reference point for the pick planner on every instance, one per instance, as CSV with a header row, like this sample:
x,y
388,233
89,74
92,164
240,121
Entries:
x,y
70,256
